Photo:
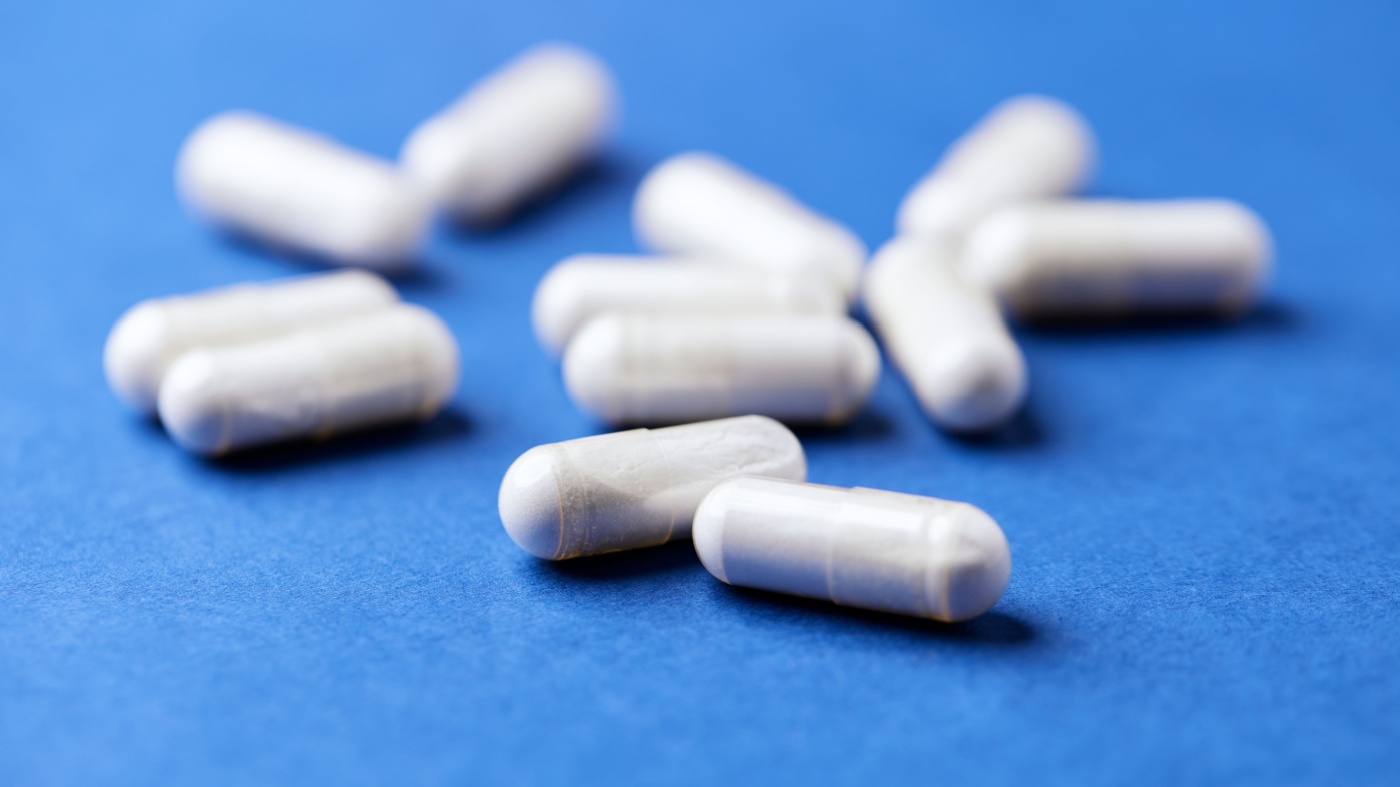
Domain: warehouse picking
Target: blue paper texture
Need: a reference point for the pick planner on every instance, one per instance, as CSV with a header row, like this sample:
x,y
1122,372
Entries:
x,y
1204,517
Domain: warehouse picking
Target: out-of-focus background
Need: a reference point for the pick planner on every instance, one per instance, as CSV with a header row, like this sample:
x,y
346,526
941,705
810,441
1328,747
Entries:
x,y
1204,517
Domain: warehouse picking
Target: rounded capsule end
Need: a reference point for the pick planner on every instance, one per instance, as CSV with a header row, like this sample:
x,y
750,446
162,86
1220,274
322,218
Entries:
x,y
974,389
996,252
707,529
557,308
974,566
591,367
191,406
530,504
134,356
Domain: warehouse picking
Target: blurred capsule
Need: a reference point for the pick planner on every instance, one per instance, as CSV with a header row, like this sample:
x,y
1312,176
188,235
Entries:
x,y
1107,257
515,133
698,203
302,191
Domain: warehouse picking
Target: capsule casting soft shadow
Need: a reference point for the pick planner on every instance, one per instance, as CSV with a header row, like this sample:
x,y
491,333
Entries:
x,y
1110,257
515,133
396,364
653,369
945,334
584,286
635,489
1028,147
857,547
698,203
153,333
302,191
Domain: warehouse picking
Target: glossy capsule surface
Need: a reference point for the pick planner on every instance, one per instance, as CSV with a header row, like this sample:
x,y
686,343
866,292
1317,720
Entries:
x,y
945,334
585,286
638,488
856,547
654,369
153,333
396,364
1115,257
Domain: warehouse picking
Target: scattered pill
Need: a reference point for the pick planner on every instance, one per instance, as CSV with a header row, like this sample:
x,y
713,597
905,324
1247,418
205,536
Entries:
x,y
945,334
656,369
302,191
153,333
515,133
582,287
1028,147
638,488
1104,257
396,364
698,203
857,547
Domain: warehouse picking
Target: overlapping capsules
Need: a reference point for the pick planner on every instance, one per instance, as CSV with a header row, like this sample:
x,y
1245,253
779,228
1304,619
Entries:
x,y
732,324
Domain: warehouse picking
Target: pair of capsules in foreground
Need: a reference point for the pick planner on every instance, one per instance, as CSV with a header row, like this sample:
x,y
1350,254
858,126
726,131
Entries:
x,y
737,487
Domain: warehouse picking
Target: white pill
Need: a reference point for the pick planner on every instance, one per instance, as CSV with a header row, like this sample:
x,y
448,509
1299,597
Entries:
x,y
635,489
582,287
1029,147
698,203
514,133
656,369
1094,257
302,191
945,334
396,364
152,334
857,547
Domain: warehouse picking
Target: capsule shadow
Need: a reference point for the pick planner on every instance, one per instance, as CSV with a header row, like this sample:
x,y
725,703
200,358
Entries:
x,y
995,629
868,424
450,424
1270,317
671,557
1024,430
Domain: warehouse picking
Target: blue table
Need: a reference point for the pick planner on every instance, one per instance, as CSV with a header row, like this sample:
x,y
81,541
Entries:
x,y
1204,517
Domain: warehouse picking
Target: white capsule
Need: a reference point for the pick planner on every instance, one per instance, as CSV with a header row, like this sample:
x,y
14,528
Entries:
x,y
153,333
655,369
635,489
698,203
857,547
303,191
396,364
514,133
1028,147
945,334
582,287
1095,257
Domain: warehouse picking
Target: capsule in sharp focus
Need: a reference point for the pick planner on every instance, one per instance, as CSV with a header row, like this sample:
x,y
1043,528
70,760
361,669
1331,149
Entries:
x,y
857,547
945,334
1110,257
635,489
654,369
1028,147
396,364
153,333
582,287
698,203
302,191
515,133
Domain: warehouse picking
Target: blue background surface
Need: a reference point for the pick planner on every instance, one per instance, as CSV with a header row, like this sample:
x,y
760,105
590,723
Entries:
x,y
1204,518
